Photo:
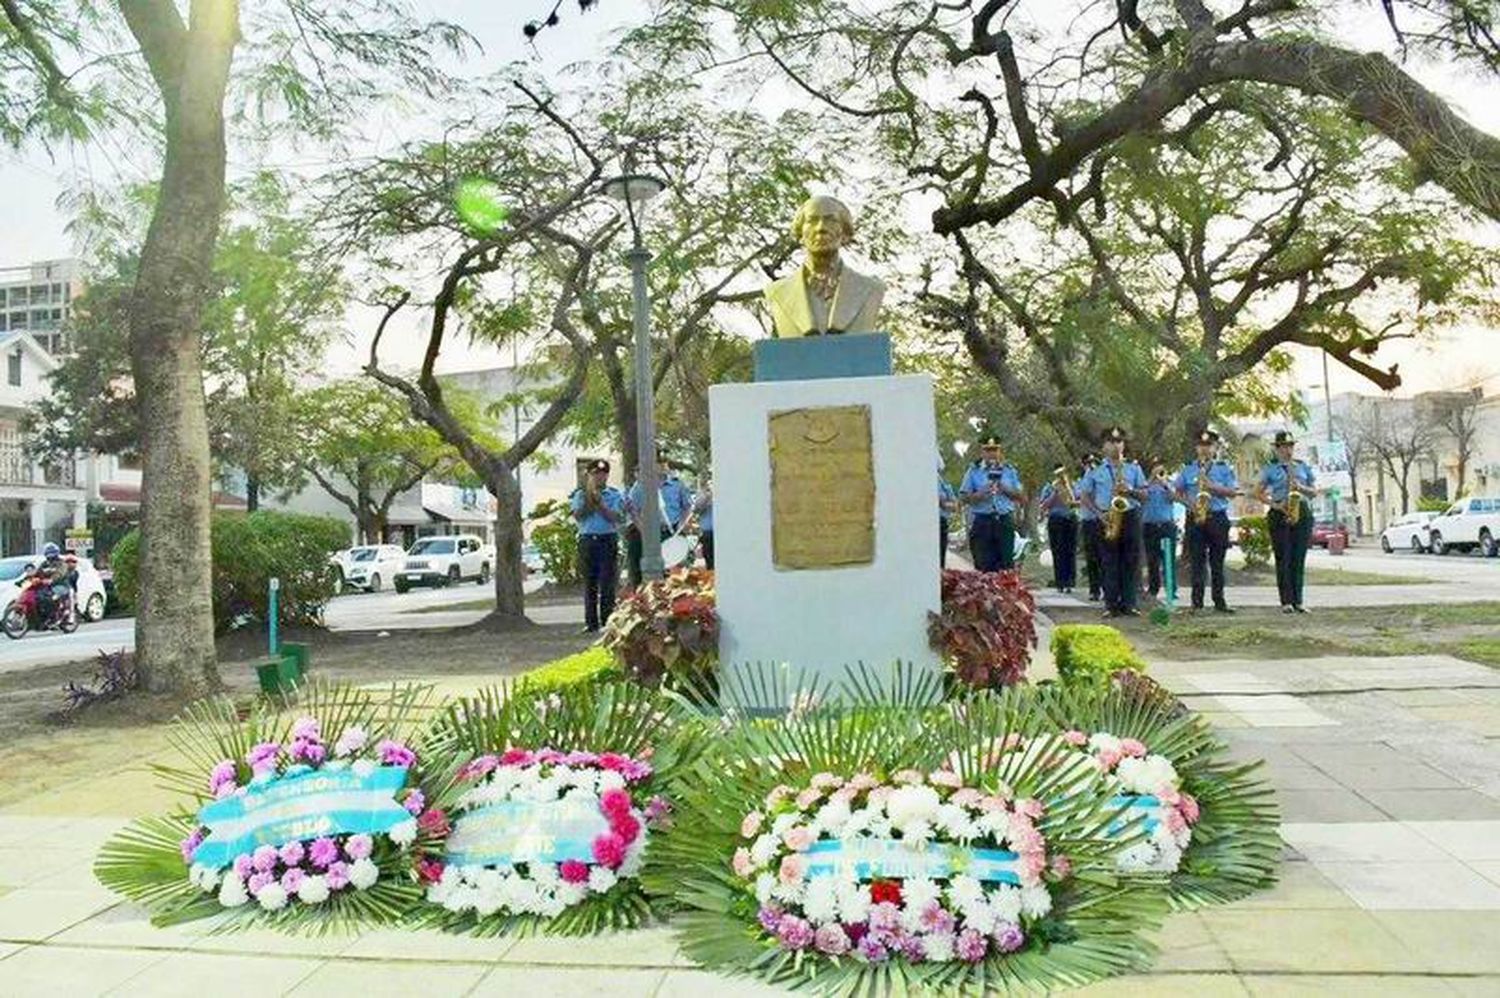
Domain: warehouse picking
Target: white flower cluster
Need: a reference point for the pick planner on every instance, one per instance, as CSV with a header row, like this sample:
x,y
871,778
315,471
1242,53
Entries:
x,y
1128,769
539,891
529,784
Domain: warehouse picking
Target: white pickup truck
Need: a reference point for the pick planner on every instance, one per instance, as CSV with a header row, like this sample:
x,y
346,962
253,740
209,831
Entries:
x,y
444,561
1468,524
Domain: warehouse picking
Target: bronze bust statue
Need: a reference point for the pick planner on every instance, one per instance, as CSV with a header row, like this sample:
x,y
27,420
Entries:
x,y
824,296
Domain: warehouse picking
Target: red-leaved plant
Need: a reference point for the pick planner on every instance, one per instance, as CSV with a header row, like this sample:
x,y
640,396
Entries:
x,y
987,627
668,629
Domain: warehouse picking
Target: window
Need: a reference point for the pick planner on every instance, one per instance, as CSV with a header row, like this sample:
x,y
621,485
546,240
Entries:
x,y
13,368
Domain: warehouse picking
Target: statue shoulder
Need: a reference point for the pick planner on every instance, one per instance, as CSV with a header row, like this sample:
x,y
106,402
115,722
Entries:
x,y
860,282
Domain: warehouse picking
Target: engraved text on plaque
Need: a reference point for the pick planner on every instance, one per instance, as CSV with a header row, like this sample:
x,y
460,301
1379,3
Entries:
x,y
822,487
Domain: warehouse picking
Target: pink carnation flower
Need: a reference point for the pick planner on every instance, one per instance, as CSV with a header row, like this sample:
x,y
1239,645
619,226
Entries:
x,y
827,781
1075,738
910,776
264,858
395,754
945,778
1033,865
831,939
291,880
1108,759
966,797
845,794
778,794
793,869
515,757
478,767
808,798
415,801
323,852
1061,865
971,946
614,802
1189,807
1031,807
258,881
880,795
750,824
307,728
625,826
743,867
243,867
337,876
991,803
1132,747
262,758
609,850
799,838
358,846
574,872
1174,820
291,853
864,781
1168,794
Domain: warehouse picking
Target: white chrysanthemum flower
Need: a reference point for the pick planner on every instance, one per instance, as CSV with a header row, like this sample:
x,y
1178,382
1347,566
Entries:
x,y
571,894
1005,902
610,780
580,794
789,894
1140,856
979,916
437,893
951,818
857,823
821,903
351,741
363,873
635,858
764,885
854,901
833,816
784,822
763,849
404,833
1103,742
881,828
232,892
919,892
487,879
363,767
917,834
602,879
939,948
1036,901
995,824
911,804
964,889
271,897
313,890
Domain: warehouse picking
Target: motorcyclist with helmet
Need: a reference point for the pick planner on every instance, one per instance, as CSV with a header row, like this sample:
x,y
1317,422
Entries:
x,y
59,580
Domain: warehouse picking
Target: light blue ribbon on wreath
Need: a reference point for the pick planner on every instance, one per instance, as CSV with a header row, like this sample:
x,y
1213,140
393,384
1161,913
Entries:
x,y
510,832
865,859
307,805
1144,803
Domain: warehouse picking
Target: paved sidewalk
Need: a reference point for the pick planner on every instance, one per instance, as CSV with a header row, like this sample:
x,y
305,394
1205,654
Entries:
x,y
1387,775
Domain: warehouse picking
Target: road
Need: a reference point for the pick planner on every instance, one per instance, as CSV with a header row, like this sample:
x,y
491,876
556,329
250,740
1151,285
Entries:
x,y
385,611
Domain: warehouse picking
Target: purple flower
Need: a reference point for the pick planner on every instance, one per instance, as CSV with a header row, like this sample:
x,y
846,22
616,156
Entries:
x,y
415,801
264,858
769,917
1009,937
311,752
658,811
635,770
292,879
338,876
190,845
323,852
971,946
913,949
395,754
262,758
223,774
870,950
291,853
258,881
794,932
358,846
243,867
307,729
831,939
885,917
937,919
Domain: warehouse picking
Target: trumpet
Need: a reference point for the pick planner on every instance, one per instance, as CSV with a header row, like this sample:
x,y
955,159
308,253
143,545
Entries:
x,y
1063,485
1114,520
592,494
1159,473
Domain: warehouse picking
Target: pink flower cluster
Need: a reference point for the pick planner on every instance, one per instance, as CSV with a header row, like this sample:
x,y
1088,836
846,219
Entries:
x,y
307,748
337,861
634,770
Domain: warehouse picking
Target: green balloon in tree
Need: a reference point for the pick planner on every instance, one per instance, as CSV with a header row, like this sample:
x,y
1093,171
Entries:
x,y
479,203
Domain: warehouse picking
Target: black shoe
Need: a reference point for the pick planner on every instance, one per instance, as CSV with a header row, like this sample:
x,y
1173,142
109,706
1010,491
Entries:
x,y
589,630
1287,609
1094,597
1111,614
1299,608
1223,608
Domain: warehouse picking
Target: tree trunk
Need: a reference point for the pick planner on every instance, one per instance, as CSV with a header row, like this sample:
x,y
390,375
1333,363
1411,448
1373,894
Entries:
x,y
510,594
174,619
252,492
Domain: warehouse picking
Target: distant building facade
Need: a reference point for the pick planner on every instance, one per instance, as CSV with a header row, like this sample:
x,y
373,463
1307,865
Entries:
x,y
37,298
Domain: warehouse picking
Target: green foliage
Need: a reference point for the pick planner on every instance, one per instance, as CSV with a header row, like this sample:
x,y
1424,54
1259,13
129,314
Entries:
x,y
1431,505
248,551
1087,655
1255,541
593,665
555,534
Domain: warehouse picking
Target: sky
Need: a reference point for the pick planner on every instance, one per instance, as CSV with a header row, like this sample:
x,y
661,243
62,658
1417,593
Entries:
x,y
34,225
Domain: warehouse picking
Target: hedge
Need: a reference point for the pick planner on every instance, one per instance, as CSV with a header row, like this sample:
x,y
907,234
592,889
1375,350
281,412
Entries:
x,y
1255,541
594,664
1091,653
248,551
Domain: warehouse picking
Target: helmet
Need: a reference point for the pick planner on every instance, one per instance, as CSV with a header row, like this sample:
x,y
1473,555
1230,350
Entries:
x,y
51,550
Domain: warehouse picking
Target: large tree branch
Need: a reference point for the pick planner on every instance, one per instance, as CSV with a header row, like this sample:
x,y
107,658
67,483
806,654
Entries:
x,y
163,37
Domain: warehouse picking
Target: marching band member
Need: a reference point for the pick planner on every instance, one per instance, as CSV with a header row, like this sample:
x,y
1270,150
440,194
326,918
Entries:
x,y
1158,523
990,490
599,509
1114,490
1059,505
1285,486
1089,525
1205,487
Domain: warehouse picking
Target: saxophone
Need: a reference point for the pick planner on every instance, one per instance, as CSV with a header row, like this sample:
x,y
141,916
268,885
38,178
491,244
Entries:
x,y
1294,502
1114,520
1200,501
1062,484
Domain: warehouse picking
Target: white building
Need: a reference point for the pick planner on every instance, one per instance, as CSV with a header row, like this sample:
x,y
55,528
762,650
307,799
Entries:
x,y
37,503
429,508
37,298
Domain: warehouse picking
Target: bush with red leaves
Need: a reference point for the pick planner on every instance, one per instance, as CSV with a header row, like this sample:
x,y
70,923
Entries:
x,y
987,628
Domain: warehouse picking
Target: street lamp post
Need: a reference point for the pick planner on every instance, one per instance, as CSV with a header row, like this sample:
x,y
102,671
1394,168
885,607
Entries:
x,y
635,190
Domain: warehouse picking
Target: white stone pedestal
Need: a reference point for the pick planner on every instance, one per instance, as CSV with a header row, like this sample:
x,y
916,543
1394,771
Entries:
x,y
818,622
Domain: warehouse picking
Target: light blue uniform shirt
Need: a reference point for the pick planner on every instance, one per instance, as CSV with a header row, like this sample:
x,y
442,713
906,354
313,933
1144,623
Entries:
x,y
945,491
1084,513
1100,483
1158,506
1060,510
706,517
977,479
1277,479
1219,473
595,522
676,501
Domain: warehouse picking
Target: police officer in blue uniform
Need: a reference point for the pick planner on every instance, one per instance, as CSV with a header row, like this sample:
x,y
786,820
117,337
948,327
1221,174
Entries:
x,y
1111,478
947,506
1158,523
1060,505
1289,541
1208,539
676,503
990,490
1089,526
598,509
703,510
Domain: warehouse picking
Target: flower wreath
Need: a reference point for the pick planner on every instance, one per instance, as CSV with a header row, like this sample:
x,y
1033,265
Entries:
x,y
308,869
523,866
822,862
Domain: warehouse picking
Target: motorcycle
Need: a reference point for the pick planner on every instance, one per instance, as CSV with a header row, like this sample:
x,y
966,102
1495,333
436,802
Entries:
x,y
25,614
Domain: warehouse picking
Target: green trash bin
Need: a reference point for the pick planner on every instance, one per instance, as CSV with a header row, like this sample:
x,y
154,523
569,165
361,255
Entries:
x,y
301,651
278,673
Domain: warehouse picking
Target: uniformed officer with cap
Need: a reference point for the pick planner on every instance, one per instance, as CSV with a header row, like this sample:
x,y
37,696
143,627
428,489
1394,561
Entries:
x,y
1158,523
599,509
1120,557
1208,540
1060,506
1089,525
1289,541
990,490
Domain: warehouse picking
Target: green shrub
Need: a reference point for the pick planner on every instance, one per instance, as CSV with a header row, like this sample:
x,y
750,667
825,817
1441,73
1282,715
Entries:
x,y
1255,541
248,551
1429,505
594,664
1089,654
555,535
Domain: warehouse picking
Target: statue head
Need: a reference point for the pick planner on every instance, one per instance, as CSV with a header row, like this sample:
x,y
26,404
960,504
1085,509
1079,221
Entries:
x,y
823,225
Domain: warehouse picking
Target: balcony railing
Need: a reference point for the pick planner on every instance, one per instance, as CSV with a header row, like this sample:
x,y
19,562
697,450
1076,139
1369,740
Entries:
x,y
16,468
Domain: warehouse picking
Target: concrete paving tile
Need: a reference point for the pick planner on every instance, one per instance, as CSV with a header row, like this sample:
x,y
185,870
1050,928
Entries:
x,y
1441,805
700,983
1488,868
1466,840
1251,704
653,947
129,925
1352,985
1454,942
268,942
1228,682
193,975
427,944
1300,778
23,867
1223,720
1400,886
31,915
1360,842
1482,719
1425,698
1187,945
340,978
6,949
26,829
506,981
1324,806
1406,775
1310,942
51,971
1155,985
1299,885
1302,717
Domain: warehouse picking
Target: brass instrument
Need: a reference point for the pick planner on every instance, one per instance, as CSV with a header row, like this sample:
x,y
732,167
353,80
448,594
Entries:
x,y
593,495
1294,504
1200,506
1114,520
1159,473
1063,485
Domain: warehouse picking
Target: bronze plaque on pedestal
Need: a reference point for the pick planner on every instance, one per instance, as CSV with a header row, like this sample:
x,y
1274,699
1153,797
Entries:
x,y
822,487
